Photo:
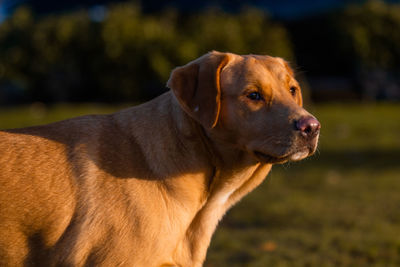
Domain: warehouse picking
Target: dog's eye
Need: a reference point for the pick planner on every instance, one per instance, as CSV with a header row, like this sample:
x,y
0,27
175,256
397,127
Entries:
x,y
293,90
254,96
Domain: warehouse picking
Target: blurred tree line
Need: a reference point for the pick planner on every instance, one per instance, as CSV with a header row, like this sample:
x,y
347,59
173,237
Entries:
x,y
371,36
358,44
127,55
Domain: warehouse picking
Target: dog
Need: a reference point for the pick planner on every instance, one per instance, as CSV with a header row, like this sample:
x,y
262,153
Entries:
x,y
147,186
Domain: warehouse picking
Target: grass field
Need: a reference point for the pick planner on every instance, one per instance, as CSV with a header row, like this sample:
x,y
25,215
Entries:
x,y
339,208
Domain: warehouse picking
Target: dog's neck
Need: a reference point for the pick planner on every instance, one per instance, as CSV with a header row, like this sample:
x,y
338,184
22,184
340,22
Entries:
x,y
235,173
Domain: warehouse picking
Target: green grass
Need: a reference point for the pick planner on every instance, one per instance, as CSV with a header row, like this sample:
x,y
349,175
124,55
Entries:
x,y
340,207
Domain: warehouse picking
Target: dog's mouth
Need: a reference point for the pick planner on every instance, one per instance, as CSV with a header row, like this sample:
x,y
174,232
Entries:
x,y
292,152
294,156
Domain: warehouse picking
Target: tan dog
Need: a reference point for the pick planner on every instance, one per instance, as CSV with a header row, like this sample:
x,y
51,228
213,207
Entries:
x,y
146,186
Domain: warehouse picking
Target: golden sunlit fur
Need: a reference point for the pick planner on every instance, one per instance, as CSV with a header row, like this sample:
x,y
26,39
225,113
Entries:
x,y
146,186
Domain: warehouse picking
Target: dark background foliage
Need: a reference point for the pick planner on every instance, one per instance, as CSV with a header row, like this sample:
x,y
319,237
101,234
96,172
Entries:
x,y
103,51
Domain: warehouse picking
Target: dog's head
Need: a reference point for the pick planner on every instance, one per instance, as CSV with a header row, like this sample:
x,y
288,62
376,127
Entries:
x,y
253,102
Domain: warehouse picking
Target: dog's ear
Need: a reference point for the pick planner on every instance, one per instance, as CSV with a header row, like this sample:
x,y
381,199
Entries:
x,y
197,87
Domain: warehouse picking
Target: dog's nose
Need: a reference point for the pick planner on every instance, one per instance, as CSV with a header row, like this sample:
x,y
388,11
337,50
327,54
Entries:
x,y
308,126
